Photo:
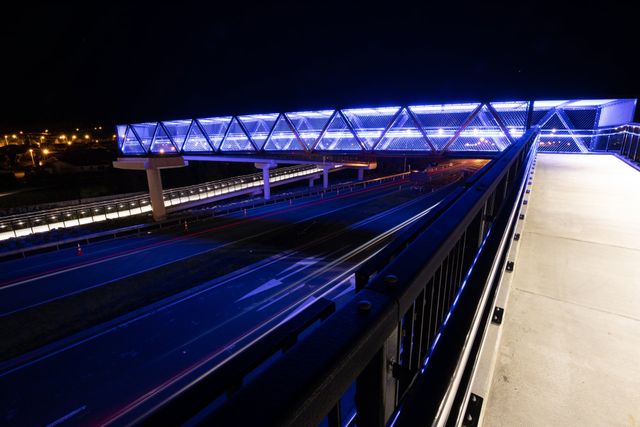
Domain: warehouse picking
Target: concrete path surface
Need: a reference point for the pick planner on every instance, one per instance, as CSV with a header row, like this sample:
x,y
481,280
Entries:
x,y
570,348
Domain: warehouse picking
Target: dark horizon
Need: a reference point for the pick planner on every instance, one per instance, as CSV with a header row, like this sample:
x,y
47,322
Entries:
x,y
70,66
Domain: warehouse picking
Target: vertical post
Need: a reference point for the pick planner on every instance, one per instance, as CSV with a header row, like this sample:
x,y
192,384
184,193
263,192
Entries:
x,y
376,387
311,182
325,176
154,181
360,174
265,179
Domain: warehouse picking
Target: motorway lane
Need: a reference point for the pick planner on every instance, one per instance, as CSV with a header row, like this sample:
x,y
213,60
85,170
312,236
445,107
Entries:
x,y
28,282
92,380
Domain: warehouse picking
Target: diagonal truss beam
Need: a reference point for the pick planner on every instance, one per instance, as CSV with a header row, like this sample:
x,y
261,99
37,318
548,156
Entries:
x,y
353,132
386,129
466,123
295,133
422,131
137,137
244,129
324,130
273,128
566,121
501,124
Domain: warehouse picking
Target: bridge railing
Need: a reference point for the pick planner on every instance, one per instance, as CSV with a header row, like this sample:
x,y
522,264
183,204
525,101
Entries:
x,y
39,221
402,348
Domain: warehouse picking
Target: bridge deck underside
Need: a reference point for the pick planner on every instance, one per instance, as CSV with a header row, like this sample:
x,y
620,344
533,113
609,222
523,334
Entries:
x,y
569,347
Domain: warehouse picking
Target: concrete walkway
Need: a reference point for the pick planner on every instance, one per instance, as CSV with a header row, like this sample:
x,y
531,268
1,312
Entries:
x,y
569,354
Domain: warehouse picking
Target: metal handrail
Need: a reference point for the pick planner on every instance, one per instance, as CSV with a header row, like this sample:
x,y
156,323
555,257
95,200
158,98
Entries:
x,y
362,341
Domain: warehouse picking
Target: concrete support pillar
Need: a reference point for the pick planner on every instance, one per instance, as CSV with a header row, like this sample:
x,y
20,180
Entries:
x,y
265,178
311,182
155,192
325,176
360,174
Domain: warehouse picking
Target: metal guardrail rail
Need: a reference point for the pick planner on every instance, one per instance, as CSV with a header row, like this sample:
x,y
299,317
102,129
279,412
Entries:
x,y
196,215
33,222
406,340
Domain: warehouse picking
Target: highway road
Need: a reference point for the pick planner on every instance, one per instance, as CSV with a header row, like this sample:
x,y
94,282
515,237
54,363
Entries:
x,y
112,371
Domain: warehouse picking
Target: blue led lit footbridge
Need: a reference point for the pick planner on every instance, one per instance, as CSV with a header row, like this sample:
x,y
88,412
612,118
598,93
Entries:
x,y
355,137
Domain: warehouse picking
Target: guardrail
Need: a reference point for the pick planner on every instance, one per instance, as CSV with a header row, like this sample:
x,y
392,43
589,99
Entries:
x,y
33,222
195,216
628,144
400,352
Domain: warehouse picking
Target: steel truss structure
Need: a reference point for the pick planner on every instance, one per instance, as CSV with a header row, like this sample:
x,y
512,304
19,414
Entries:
x,y
570,125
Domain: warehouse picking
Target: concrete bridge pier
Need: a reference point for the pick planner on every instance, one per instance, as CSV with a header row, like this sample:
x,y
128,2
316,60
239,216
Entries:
x,y
360,174
152,166
265,177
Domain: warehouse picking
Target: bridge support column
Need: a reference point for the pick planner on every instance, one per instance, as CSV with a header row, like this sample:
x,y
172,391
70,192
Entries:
x,y
265,178
325,176
311,182
154,179
360,174
152,166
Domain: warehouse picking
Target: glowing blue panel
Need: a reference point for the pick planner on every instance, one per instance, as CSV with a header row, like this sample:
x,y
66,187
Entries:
x,y
215,128
258,126
130,143
370,123
547,105
236,139
484,127
403,135
161,143
588,103
196,141
440,122
177,130
338,137
121,131
309,124
145,132
618,113
282,138
513,115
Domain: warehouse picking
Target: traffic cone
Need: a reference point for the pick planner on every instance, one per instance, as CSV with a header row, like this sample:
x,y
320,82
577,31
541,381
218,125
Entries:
x,y
79,250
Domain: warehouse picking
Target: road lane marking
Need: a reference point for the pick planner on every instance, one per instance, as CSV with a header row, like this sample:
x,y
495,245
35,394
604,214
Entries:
x,y
66,417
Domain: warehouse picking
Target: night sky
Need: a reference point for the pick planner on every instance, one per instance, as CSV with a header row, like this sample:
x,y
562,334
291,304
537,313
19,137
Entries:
x,y
80,65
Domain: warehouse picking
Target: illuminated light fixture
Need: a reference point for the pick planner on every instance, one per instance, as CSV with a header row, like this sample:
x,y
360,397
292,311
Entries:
x,y
475,131
162,151
440,131
553,130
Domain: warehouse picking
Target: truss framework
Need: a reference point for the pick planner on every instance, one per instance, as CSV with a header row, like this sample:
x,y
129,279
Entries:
x,y
484,127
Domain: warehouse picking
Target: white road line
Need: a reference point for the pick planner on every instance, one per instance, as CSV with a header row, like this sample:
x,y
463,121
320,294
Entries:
x,y
66,417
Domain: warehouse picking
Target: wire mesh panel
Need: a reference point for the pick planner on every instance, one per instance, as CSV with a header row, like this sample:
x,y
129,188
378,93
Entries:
x,y
513,115
121,131
309,124
370,123
282,137
440,122
258,126
338,137
403,135
130,143
161,142
215,128
145,132
196,141
236,139
177,131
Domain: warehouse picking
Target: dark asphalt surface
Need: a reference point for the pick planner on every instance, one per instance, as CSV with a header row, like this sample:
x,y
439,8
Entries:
x,y
120,370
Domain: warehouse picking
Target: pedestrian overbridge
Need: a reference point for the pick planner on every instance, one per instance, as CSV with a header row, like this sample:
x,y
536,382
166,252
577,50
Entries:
x,y
417,341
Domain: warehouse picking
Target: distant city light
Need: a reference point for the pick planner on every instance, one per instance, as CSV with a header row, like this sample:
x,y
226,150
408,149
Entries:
x,y
86,136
